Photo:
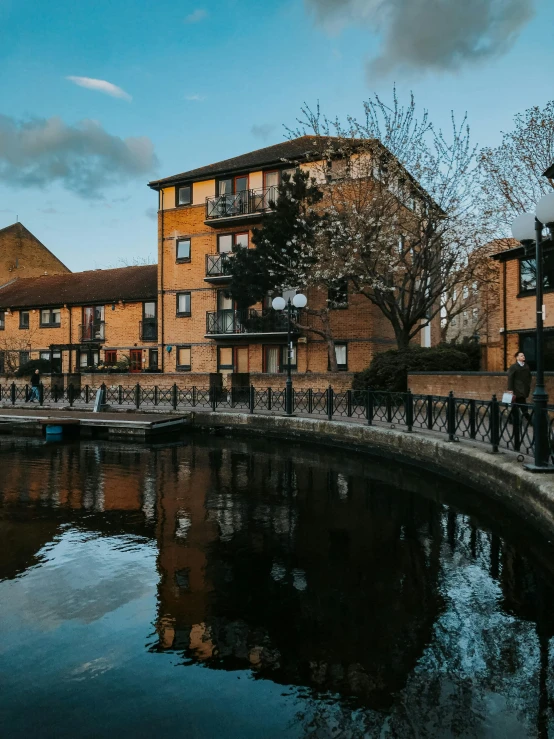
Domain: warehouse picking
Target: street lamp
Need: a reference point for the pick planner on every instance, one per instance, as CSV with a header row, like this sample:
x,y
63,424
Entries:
x,y
526,228
279,303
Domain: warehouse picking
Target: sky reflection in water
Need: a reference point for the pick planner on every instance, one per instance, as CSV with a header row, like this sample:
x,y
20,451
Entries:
x,y
226,589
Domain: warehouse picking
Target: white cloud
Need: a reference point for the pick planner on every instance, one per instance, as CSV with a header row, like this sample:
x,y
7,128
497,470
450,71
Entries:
x,y
196,16
101,86
196,98
83,157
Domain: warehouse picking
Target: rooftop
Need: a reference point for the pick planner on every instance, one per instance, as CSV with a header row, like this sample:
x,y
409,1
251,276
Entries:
x,y
299,149
130,284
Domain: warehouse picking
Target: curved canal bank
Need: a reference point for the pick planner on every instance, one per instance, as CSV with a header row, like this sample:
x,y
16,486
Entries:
x,y
500,475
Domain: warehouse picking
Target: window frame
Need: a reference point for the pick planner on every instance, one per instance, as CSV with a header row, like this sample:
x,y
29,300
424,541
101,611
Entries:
x,y
144,316
233,236
21,314
183,367
282,365
179,187
340,367
226,367
151,353
21,353
50,324
183,314
110,361
183,260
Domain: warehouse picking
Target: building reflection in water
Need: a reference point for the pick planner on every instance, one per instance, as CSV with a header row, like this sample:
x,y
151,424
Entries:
x,y
320,571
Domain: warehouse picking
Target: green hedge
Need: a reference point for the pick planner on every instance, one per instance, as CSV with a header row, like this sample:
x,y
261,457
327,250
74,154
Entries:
x,y
27,369
389,370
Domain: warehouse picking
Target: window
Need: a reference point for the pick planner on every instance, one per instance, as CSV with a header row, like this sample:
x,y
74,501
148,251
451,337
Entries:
x,y
110,357
149,310
225,358
183,250
183,195
183,358
183,304
475,313
466,292
2,320
50,317
528,274
23,319
45,356
224,301
337,294
56,362
153,359
453,322
528,344
24,357
89,358
276,358
226,242
341,355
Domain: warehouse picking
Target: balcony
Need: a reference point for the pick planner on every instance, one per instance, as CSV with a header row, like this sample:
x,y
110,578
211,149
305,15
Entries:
x,y
217,267
148,329
223,323
247,205
92,332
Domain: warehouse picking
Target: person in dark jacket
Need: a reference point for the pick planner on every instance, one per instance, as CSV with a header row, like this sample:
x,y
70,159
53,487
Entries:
x,y
519,381
35,383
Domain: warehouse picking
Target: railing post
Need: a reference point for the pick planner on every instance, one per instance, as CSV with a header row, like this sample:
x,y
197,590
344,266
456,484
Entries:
x,y
472,419
213,398
55,393
349,403
120,395
137,395
310,401
409,410
388,400
232,396
13,393
71,394
516,419
269,399
369,407
26,393
86,394
330,402
104,396
252,398
174,396
156,395
430,412
40,394
194,396
451,416
495,424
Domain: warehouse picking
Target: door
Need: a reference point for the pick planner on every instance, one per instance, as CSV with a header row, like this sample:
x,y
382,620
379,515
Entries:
x,y
271,188
135,360
241,359
241,194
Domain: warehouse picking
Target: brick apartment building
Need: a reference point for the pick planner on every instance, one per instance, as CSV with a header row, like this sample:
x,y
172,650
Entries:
x,y
23,255
81,320
202,214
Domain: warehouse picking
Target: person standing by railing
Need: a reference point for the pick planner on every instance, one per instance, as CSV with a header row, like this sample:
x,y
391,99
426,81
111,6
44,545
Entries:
x,y
519,383
35,384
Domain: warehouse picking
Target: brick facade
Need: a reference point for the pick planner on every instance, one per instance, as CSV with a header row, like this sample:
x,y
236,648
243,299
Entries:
x,y
478,385
23,255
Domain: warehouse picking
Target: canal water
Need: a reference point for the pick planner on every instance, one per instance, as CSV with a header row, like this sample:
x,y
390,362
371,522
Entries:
x,y
223,588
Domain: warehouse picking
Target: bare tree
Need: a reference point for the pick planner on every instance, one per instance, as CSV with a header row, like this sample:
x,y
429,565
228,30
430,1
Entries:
x,y
11,347
400,209
512,173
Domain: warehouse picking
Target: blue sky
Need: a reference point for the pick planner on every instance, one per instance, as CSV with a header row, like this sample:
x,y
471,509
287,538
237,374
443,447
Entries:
x,y
210,81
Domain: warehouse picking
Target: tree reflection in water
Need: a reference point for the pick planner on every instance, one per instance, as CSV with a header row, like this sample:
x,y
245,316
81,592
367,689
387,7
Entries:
x,y
355,584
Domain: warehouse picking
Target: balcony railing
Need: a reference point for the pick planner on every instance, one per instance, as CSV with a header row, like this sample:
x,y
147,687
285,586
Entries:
x,y
93,331
246,202
148,329
218,265
246,322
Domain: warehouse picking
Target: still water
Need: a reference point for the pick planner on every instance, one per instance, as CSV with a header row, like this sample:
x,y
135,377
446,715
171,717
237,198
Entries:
x,y
222,588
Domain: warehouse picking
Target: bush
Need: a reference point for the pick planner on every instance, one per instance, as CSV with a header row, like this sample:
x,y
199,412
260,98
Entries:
x,y
27,369
389,370
468,346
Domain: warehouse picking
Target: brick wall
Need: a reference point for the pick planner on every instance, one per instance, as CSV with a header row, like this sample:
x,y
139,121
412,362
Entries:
x,y
23,255
478,385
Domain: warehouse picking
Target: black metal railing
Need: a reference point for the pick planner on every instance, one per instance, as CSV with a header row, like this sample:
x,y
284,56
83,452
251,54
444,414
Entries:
x,y
148,329
490,422
242,203
95,331
246,322
217,265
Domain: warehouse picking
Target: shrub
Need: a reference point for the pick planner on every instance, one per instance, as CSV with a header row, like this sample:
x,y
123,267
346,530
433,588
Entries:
x,y
389,370
468,346
27,369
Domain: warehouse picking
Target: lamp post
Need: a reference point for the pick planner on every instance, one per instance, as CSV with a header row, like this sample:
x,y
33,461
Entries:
x,y
298,301
526,228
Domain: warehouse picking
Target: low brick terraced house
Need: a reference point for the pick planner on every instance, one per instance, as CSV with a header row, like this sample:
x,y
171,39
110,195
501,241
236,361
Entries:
x,y
202,215
81,320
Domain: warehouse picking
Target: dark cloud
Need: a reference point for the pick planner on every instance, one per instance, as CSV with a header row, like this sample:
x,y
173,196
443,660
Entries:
x,y
151,213
84,158
262,130
430,34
